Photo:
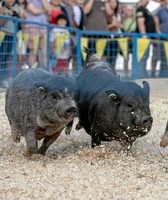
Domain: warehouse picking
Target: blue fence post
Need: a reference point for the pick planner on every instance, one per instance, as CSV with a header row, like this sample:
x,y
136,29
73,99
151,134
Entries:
x,y
79,55
14,63
48,48
135,57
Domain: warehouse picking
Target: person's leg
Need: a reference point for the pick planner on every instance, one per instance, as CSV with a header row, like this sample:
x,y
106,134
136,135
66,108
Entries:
x,y
155,57
126,60
32,57
164,64
2,58
42,44
91,45
154,60
5,53
142,72
111,52
126,67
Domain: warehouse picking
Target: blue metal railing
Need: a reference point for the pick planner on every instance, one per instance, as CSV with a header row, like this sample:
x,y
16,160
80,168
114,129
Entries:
x,y
93,38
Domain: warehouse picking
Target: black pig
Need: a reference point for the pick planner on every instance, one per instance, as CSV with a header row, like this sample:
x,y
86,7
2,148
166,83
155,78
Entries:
x,y
111,109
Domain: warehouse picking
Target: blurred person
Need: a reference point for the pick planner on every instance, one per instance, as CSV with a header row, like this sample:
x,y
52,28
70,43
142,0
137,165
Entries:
x,y
114,26
21,47
145,24
162,27
37,13
156,55
95,15
113,16
22,7
1,3
76,15
156,44
162,2
54,8
80,2
66,4
8,8
95,20
129,22
76,19
62,57
129,26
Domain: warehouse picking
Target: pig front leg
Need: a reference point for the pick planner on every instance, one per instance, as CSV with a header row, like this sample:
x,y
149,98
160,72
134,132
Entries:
x,y
48,140
95,139
31,142
95,134
78,126
68,128
15,134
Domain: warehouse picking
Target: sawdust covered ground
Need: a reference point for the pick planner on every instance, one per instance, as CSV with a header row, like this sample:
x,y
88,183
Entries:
x,y
72,170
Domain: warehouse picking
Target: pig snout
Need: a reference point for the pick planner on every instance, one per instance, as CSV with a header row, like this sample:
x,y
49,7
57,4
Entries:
x,y
147,120
71,112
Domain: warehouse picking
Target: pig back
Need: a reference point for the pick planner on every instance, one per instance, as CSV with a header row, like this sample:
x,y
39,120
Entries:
x,y
22,97
90,82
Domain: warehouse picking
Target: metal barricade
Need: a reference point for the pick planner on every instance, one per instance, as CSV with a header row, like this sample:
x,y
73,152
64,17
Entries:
x,y
59,50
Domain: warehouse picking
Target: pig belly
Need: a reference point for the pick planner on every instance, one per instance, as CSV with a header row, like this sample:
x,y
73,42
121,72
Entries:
x,y
43,132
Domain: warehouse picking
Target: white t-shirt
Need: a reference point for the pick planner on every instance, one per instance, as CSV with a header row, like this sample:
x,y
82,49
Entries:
x,y
61,37
77,14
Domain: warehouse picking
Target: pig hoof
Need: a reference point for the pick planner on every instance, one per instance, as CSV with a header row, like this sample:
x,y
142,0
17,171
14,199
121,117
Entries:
x,y
78,127
68,130
16,137
163,144
41,151
93,144
27,154
164,141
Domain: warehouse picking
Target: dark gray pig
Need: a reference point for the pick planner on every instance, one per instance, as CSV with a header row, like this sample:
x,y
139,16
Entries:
x,y
39,105
164,141
111,109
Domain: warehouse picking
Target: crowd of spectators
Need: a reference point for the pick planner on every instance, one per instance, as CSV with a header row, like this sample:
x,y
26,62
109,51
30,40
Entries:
x,y
94,15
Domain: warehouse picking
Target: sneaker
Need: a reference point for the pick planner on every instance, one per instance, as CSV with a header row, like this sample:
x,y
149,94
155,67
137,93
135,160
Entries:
x,y
25,66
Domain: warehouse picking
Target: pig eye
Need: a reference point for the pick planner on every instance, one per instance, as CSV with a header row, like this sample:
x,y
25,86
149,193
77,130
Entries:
x,y
130,106
56,96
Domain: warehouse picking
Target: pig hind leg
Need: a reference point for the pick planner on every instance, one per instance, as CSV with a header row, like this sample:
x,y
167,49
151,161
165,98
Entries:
x,y
48,140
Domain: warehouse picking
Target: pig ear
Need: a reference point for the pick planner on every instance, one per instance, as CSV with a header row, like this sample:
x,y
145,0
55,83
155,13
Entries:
x,y
114,95
146,89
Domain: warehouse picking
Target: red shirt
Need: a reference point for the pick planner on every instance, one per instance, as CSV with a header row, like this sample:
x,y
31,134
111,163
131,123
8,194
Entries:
x,y
53,16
